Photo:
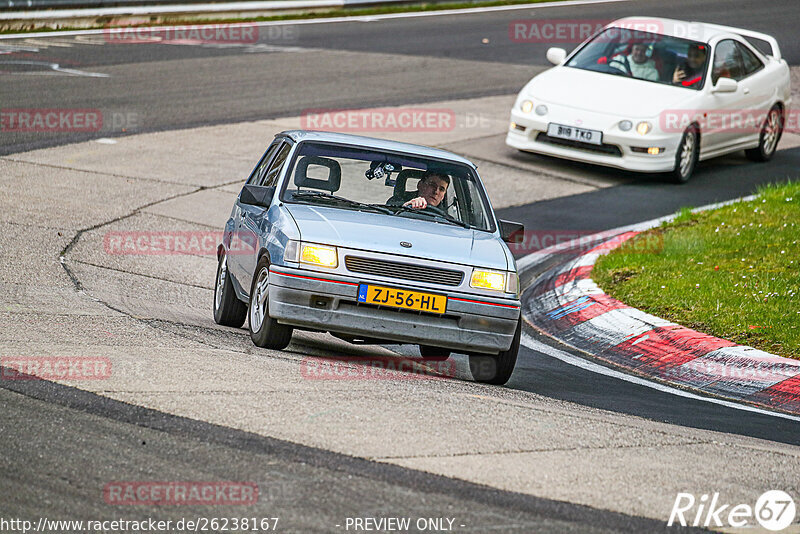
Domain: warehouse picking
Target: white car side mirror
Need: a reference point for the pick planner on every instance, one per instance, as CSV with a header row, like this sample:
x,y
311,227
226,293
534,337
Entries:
x,y
725,85
556,55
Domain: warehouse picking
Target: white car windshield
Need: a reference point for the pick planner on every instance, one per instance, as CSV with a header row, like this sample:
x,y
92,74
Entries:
x,y
645,56
363,179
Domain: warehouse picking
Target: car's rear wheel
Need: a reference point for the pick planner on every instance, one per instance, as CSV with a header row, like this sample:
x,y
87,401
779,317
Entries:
x,y
436,354
771,133
686,157
496,369
228,309
264,330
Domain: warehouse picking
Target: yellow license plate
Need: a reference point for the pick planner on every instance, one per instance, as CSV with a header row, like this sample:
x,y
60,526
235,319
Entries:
x,y
402,298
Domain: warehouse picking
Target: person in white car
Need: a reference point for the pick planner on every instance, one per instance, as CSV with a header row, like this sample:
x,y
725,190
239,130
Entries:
x,y
642,66
638,63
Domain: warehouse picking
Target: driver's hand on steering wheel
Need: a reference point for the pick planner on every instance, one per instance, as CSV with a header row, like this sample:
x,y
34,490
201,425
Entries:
x,y
417,203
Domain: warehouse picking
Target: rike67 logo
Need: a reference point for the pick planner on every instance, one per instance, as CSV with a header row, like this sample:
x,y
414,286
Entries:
x,y
774,511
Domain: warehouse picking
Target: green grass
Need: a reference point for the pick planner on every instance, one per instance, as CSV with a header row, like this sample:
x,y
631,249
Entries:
x,y
733,272
164,20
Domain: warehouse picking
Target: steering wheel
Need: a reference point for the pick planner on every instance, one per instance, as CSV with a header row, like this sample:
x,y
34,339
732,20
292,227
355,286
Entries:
x,y
626,67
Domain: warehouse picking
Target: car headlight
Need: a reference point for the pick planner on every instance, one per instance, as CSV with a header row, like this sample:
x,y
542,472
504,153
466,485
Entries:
x,y
493,280
526,106
643,128
625,125
541,109
321,255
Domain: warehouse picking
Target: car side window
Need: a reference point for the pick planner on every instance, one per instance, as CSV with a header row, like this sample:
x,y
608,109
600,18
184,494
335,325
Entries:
x,y
751,62
261,168
271,177
727,62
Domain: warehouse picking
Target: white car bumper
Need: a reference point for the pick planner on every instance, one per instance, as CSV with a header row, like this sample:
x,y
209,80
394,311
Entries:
x,y
529,132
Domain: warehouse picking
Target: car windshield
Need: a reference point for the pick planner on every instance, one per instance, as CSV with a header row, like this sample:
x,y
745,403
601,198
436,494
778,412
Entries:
x,y
645,56
361,179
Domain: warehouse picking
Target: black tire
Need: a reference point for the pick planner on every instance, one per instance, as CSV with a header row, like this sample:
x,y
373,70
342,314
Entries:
x,y
264,330
685,163
436,354
496,370
228,309
771,132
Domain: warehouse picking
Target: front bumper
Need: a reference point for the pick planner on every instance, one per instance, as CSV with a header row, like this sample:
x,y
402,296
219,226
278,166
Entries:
x,y
614,140
310,299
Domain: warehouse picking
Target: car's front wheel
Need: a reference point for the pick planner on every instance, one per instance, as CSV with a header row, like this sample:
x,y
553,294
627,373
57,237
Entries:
x,y
686,157
768,139
264,330
496,369
228,309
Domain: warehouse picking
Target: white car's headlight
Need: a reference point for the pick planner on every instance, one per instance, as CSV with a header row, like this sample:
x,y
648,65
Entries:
x,y
321,255
541,109
494,280
643,128
625,125
526,106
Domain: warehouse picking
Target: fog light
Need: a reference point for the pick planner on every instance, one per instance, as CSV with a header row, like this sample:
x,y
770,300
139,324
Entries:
x,y
652,150
513,126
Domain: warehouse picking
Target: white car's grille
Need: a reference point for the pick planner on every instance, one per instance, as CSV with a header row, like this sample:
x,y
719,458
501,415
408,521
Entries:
x,y
403,271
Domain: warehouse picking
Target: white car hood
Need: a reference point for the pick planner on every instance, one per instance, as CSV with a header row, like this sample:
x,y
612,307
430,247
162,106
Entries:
x,y
383,233
620,96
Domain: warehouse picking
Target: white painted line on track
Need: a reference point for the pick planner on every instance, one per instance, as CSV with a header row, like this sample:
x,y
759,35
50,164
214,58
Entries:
x,y
365,18
593,367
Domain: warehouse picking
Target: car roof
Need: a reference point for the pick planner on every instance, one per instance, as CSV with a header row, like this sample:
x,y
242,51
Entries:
x,y
696,31
375,143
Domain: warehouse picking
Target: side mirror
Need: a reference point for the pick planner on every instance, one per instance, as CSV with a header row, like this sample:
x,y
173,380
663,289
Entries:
x,y
725,85
257,195
512,232
556,55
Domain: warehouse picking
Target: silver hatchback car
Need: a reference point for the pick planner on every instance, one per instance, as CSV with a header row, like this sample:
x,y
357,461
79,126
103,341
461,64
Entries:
x,y
373,241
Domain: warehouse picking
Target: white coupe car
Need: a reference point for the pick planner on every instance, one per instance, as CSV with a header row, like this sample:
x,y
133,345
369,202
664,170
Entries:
x,y
656,100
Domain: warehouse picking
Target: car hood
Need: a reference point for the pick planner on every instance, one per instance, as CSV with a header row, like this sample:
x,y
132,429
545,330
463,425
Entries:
x,y
383,233
620,96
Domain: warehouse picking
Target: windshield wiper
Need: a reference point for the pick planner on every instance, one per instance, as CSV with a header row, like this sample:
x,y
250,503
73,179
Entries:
x,y
341,200
443,216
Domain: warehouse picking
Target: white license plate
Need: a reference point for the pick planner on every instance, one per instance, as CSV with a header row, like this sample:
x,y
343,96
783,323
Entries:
x,y
572,133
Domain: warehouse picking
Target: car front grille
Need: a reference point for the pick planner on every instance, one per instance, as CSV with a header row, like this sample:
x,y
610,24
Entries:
x,y
403,271
610,150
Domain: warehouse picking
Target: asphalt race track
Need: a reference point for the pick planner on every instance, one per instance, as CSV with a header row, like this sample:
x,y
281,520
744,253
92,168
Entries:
x,y
559,449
